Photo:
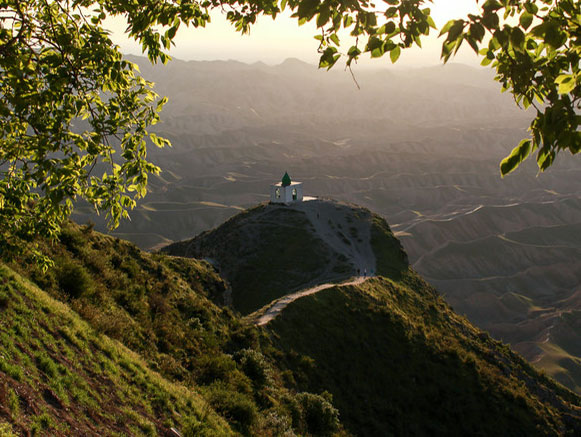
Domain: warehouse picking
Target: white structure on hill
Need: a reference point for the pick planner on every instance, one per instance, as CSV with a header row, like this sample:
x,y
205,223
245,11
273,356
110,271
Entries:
x,y
286,191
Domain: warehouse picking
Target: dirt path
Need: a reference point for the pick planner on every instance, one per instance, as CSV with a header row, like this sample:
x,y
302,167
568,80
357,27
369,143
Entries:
x,y
280,304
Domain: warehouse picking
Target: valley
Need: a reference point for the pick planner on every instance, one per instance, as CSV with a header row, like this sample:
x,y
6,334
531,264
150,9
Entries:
x,y
420,147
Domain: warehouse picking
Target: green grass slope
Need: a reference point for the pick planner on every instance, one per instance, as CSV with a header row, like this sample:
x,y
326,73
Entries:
x,y
61,377
161,309
145,337
398,361
390,353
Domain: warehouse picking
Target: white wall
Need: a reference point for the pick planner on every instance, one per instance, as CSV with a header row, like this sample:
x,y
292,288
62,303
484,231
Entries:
x,y
286,193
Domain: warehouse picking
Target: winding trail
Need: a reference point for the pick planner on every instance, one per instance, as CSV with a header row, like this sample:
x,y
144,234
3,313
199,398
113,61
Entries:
x,y
280,304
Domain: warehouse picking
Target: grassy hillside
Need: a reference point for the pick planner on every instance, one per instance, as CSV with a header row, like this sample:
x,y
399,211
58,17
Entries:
x,y
265,253
398,361
162,309
59,376
393,356
157,349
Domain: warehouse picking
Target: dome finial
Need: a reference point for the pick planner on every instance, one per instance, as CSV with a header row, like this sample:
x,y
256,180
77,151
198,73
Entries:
x,y
286,180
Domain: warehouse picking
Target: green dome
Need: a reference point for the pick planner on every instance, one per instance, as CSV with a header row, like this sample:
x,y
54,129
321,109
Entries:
x,y
286,180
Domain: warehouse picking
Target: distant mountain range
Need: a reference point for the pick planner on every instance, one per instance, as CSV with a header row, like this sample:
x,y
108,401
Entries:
x,y
421,147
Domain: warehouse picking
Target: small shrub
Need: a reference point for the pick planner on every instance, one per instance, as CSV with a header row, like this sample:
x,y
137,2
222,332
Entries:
x,y
276,425
73,279
237,408
11,370
13,404
147,427
88,228
194,427
72,239
255,366
130,267
41,423
47,365
319,416
160,400
215,368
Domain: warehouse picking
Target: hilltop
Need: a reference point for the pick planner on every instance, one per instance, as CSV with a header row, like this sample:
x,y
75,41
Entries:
x,y
271,250
393,355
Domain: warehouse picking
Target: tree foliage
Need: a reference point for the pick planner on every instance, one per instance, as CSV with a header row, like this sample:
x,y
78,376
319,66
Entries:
x,y
75,117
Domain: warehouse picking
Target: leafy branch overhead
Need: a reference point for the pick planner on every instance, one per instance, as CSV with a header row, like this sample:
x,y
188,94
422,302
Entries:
x,y
535,48
76,118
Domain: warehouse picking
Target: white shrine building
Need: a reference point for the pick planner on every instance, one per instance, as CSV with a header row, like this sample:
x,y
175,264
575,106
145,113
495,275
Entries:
x,y
286,191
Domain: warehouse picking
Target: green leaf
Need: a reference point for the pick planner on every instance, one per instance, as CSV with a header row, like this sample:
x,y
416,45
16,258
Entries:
x,y
323,17
566,83
526,19
545,158
518,155
446,27
517,39
456,30
395,54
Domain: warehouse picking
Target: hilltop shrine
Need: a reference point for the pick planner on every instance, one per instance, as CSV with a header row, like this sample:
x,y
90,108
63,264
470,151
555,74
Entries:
x,y
286,191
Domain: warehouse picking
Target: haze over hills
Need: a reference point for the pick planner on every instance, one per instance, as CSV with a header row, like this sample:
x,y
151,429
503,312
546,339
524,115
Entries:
x,y
420,147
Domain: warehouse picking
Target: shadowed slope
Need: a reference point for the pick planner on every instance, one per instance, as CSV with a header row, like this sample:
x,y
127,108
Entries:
x,y
271,250
398,362
161,308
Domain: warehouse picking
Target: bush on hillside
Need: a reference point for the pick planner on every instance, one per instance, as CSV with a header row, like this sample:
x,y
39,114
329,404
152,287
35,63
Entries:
x,y
237,408
319,416
210,369
73,279
6,430
255,366
194,427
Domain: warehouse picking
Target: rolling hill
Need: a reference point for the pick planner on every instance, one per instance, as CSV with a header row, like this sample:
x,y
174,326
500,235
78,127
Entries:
x,y
392,354
116,341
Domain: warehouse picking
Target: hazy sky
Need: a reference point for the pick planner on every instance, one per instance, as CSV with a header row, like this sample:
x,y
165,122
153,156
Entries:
x,y
274,41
